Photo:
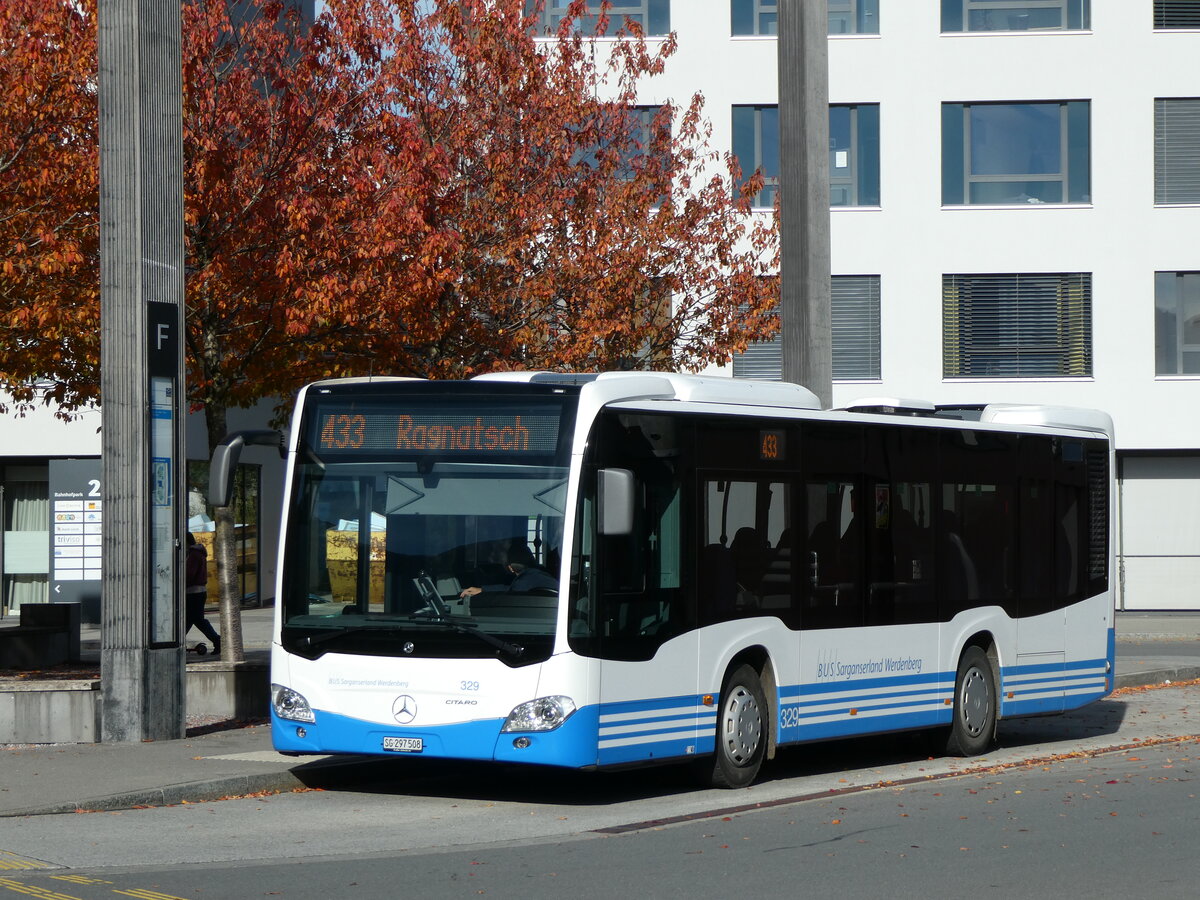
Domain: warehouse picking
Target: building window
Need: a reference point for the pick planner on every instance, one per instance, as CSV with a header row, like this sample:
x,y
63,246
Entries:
x,y
854,16
1177,151
761,17
756,146
654,16
853,152
1017,326
854,312
1012,15
25,541
629,134
1170,14
854,155
1016,153
750,17
1177,323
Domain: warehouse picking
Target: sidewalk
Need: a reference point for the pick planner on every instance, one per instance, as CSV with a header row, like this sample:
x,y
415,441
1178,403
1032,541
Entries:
x,y
59,778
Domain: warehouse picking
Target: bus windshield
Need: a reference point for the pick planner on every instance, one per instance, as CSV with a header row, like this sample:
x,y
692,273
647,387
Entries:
x,y
426,529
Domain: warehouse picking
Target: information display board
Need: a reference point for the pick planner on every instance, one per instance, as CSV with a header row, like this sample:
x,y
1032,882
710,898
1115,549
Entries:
x,y
76,529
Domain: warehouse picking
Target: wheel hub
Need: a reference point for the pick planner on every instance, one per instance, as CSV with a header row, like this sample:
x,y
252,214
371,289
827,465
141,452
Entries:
x,y
975,702
742,729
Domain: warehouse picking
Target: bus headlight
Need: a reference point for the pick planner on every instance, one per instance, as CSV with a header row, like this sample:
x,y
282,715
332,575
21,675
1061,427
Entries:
x,y
289,704
542,714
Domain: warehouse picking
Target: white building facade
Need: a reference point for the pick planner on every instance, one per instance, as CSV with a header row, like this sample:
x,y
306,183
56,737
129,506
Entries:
x,y
1015,207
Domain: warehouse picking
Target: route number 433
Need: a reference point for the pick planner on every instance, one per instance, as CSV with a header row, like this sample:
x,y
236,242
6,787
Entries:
x,y
342,432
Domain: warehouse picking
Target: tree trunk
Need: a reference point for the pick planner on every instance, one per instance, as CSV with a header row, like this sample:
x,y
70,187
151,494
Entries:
x,y
225,551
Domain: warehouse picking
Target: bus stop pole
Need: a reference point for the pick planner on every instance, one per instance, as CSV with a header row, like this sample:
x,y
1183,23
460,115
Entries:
x,y
141,375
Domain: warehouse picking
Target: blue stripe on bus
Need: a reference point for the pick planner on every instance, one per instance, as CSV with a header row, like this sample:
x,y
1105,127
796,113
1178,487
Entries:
x,y
572,744
657,728
1068,666
868,705
850,727
852,698
1034,706
654,704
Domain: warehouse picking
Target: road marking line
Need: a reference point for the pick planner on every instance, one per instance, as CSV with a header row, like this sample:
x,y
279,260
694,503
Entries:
x,y
147,895
12,861
34,891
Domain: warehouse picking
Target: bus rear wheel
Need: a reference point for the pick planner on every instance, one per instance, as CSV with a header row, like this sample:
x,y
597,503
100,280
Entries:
x,y
974,725
742,723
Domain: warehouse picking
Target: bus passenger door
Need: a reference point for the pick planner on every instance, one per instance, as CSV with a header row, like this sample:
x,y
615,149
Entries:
x,y
746,582
642,628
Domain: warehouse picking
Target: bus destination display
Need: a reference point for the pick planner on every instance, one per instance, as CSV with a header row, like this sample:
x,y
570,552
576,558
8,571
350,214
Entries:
x,y
423,431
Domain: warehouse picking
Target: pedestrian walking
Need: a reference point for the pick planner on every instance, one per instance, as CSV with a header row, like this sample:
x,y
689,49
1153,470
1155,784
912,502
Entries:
x,y
196,594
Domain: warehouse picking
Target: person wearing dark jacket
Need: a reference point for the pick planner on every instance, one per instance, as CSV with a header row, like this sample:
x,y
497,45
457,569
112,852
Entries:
x,y
197,593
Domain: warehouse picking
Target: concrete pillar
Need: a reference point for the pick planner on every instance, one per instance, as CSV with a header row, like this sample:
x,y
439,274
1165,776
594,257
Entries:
x,y
804,191
141,268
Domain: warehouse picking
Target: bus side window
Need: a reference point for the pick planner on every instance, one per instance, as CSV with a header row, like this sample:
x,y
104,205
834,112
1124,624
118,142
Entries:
x,y
977,522
741,572
835,512
1070,510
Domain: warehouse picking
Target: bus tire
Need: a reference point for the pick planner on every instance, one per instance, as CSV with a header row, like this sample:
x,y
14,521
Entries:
x,y
742,722
974,726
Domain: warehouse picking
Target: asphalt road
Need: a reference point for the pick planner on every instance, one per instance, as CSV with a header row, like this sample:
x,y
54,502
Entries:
x,y
1099,802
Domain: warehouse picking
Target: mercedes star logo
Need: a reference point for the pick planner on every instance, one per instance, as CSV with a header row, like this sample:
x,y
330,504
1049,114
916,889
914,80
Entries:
x,y
404,709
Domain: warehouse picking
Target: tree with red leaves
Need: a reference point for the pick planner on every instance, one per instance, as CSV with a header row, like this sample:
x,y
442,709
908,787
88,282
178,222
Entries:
x,y
427,189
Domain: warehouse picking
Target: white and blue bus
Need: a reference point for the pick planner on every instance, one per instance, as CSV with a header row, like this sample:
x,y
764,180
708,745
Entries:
x,y
595,571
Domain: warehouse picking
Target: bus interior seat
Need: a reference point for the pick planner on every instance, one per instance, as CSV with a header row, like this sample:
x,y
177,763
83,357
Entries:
x,y
777,581
750,556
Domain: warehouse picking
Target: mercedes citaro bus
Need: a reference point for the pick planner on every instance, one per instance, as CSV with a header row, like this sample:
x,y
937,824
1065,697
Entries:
x,y
607,570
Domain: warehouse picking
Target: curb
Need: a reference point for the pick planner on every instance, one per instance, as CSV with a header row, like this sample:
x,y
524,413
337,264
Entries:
x,y
171,795
1157,676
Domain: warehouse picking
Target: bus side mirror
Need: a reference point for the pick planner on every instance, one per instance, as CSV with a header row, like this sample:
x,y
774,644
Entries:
x,y
614,491
225,460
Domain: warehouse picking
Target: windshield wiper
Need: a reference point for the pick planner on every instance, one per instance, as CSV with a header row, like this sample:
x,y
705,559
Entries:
x,y
313,640
513,650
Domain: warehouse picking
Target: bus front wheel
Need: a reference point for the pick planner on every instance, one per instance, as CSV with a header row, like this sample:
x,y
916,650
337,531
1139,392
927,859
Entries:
x,y
974,725
742,723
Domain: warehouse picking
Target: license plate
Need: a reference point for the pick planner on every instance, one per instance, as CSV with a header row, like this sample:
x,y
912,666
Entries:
x,y
403,745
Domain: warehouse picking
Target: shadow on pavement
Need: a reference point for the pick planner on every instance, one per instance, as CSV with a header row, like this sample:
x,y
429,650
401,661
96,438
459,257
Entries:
x,y
476,781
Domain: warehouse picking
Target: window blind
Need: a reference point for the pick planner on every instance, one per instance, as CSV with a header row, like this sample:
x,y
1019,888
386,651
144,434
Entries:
x,y
1177,150
1017,325
854,318
1177,13
854,321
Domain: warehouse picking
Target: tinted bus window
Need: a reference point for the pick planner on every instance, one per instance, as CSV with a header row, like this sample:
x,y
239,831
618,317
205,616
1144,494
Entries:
x,y
835,509
901,474
977,524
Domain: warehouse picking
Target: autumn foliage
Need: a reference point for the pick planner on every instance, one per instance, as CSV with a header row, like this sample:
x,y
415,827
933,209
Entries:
x,y
426,189
49,284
